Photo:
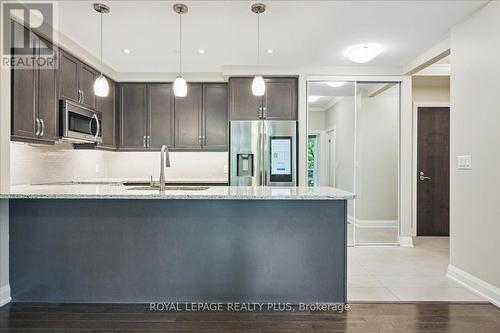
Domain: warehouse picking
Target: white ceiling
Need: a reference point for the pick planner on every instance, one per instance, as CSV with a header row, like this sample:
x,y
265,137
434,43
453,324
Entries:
x,y
301,32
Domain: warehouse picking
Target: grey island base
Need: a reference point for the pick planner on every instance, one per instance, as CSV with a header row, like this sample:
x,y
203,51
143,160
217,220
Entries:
x,y
127,250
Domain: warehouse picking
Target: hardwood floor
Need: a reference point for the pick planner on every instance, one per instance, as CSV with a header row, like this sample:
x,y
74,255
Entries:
x,y
420,317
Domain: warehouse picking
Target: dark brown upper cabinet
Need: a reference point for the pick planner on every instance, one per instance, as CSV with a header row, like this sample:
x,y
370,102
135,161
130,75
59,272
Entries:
x,y
34,93
146,116
278,103
76,80
160,115
133,116
151,116
107,106
188,118
215,116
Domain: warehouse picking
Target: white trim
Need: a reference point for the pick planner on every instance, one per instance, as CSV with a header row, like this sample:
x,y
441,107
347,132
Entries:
x,y
475,284
417,105
5,295
405,241
373,223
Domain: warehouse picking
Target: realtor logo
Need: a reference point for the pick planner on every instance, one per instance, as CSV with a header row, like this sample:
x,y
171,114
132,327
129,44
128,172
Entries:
x,y
23,23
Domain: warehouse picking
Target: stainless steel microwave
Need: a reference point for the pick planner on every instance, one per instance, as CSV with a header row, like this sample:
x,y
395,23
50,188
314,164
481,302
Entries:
x,y
78,123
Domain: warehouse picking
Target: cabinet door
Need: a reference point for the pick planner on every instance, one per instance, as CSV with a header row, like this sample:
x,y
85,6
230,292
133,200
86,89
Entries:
x,y
243,105
24,83
161,115
87,78
68,76
47,97
188,118
280,100
215,116
106,105
133,116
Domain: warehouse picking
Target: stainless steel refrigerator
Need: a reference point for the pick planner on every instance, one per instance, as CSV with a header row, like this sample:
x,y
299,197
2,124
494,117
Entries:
x,y
263,153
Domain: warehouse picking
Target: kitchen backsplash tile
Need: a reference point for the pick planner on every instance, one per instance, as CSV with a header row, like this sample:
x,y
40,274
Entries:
x,y
35,164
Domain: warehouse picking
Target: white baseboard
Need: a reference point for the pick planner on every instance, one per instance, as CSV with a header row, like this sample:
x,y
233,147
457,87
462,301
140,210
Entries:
x,y
5,295
373,223
405,241
474,284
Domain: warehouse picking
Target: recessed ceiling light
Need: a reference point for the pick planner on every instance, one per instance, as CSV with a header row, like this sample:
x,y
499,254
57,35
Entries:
x,y
312,99
126,51
201,51
270,51
336,84
363,53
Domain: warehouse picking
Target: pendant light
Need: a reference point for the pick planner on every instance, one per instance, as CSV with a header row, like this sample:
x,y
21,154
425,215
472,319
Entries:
x,y
180,86
101,85
258,84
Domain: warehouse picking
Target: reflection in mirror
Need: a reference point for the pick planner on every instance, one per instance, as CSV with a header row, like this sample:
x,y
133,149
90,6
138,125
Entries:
x,y
331,124
377,147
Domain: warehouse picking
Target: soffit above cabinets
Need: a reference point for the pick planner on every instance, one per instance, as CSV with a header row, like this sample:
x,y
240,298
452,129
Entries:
x,y
301,33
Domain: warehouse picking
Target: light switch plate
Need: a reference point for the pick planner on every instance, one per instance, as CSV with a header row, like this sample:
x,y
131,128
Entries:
x,y
464,162
226,168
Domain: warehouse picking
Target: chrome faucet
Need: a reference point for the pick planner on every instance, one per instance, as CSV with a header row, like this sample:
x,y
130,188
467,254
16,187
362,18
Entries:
x,y
164,163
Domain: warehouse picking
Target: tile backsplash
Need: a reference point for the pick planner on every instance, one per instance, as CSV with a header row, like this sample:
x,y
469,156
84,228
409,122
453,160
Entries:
x,y
35,164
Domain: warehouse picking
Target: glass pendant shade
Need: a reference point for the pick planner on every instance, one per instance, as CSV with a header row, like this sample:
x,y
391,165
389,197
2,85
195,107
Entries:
x,y
258,86
101,86
180,87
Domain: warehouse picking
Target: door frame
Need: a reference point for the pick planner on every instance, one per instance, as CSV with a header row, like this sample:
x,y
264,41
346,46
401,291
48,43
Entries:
x,y
416,106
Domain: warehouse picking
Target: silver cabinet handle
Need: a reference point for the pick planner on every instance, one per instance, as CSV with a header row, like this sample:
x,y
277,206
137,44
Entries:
x,y
37,126
83,97
144,141
42,131
149,141
79,96
264,113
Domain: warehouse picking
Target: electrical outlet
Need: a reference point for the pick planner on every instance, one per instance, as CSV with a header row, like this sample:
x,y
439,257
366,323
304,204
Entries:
x,y
464,162
226,168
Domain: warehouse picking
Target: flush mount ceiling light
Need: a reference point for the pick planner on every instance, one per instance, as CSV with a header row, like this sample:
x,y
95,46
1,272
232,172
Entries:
x,y
312,99
201,51
258,84
270,51
336,84
180,85
363,53
126,51
101,85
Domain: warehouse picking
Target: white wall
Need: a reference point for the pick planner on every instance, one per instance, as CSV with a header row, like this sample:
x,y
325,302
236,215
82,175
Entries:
x,y
431,89
475,130
377,151
316,121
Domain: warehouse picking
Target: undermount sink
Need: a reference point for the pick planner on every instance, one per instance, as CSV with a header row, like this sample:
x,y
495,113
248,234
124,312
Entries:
x,y
169,188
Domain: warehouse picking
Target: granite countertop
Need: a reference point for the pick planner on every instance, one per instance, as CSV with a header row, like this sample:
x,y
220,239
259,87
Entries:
x,y
119,191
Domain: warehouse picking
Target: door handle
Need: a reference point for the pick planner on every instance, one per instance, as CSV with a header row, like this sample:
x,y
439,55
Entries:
x,y
422,177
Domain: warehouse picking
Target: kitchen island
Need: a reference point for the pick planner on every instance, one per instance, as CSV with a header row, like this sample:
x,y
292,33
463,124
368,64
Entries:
x,y
111,243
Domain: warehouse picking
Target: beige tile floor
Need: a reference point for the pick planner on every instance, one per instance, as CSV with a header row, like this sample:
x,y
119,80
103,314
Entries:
x,y
392,274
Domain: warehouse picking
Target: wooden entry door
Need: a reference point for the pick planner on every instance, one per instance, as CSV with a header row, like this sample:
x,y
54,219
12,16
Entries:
x,y
433,171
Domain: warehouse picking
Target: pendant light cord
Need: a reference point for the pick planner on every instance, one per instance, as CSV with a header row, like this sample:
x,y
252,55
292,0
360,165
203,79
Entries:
x,y
180,44
101,41
258,41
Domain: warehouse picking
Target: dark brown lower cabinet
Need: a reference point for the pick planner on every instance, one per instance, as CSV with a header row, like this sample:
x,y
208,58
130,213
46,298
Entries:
x,y
34,93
